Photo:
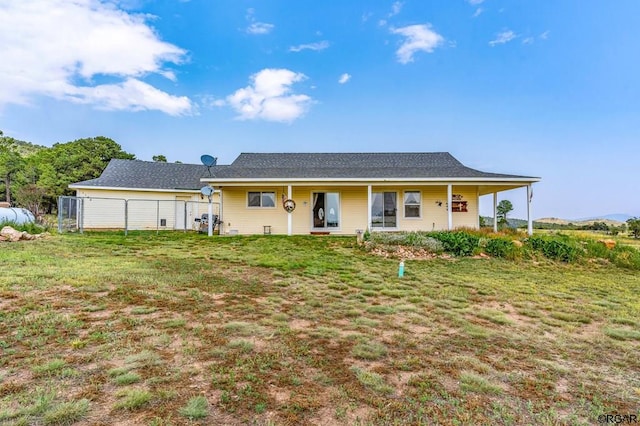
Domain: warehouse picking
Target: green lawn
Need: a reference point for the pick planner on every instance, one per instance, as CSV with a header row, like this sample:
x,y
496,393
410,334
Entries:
x,y
183,329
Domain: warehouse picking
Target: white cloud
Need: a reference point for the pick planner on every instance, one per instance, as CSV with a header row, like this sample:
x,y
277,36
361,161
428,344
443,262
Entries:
x,y
212,101
478,12
259,28
418,38
528,40
503,37
382,23
321,45
544,35
475,2
396,7
57,48
132,95
269,97
344,78
366,16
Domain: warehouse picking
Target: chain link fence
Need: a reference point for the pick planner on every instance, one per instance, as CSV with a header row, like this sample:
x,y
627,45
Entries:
x,y
76,214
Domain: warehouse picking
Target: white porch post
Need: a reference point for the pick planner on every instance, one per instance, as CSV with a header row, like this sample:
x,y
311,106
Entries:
x,y
495,212
478,204
529,220
369,196
220,217
210,216
449,202
289,215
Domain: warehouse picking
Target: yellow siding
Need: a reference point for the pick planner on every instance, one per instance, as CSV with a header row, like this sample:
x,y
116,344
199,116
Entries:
x,y
353,209
105,209
251,220
470,218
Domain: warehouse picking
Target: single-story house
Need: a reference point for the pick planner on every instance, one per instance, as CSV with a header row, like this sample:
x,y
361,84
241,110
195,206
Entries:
x,y
335,193
340,193
136,194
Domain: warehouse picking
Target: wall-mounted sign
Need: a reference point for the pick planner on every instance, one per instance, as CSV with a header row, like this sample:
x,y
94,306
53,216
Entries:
x,y
289,205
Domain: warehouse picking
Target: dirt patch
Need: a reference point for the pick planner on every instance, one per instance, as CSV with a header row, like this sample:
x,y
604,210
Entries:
x,y
339,416
279,395
300,324
400,380
593,330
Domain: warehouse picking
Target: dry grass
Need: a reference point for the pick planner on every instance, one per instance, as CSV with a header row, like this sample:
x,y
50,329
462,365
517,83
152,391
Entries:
x,y
169,329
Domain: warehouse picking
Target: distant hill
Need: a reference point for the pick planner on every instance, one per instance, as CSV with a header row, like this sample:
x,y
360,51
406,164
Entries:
x,y
579,222
27,149
513,223
556,223
620,217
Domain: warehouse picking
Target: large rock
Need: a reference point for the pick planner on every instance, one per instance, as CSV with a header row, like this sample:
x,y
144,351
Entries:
x,y
608,243
9,234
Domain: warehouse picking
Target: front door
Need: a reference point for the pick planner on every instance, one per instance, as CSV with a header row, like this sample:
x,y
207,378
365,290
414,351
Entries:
x,y
326,210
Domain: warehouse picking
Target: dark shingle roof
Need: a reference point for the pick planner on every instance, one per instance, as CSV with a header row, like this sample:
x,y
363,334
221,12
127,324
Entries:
x,y
148,175
349,166
416,165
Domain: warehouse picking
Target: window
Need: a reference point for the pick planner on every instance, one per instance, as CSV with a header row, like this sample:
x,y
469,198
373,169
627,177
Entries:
x,y
384,210
412,204
261,199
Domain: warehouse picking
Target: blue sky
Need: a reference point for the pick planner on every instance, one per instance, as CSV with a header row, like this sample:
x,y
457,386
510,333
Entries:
x,y
538,88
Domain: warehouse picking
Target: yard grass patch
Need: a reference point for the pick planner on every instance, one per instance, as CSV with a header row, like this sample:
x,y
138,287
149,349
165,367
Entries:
x,y
196,408
173,328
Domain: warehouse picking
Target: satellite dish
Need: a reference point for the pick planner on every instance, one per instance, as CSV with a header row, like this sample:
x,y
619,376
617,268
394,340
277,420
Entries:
x,y
206,191
208,161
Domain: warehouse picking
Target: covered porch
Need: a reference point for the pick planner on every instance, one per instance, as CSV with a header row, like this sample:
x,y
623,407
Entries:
x,y
343,208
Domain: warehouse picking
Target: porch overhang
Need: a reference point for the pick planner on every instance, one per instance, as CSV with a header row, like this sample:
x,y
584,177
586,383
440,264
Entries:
x,y
485,185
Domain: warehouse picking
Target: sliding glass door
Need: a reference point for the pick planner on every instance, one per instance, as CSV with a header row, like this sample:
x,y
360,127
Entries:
x,y
384,210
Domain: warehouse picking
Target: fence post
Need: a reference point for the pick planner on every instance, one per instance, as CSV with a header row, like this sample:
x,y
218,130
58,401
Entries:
x,y
157,217
126,217
80,214
60,202
69,210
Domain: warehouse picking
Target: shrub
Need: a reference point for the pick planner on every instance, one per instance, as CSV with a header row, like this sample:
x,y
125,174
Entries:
x,y
597,249
558,247
625,257
501,247
459,243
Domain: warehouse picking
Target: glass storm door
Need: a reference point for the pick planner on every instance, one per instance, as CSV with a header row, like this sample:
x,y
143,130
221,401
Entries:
x,y
326,210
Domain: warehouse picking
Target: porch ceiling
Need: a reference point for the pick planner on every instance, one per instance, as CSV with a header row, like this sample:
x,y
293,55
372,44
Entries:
x,y
490,189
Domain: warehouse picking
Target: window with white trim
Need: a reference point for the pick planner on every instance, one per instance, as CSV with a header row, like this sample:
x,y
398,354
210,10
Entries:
x,y
261,199
412,204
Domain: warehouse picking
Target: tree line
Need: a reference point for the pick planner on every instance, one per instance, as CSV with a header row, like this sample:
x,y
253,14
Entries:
x,y
34,176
